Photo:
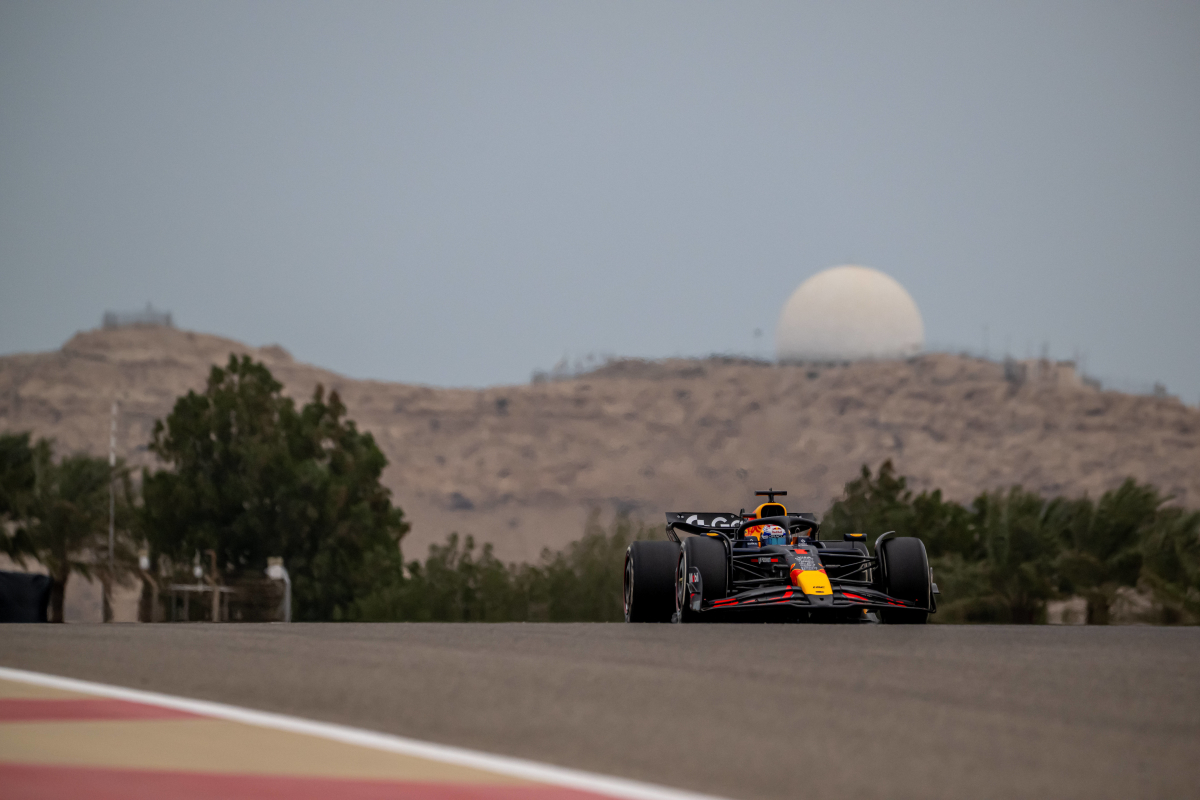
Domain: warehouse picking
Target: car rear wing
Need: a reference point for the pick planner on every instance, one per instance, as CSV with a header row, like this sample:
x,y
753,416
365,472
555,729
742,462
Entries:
x,y
730,525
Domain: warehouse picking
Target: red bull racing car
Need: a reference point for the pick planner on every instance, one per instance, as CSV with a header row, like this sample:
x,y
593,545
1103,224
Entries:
x,y
770,564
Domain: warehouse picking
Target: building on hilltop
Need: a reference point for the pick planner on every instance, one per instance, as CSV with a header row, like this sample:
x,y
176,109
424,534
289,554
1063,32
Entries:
x,y
149,317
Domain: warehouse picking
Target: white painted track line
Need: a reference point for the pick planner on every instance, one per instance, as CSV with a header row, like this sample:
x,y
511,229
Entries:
x,y
503,765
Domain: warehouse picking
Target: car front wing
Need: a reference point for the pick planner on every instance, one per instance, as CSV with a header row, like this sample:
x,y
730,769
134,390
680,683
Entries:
x,y
842,598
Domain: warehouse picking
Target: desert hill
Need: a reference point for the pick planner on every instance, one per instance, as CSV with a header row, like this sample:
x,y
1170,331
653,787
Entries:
x,y
522,465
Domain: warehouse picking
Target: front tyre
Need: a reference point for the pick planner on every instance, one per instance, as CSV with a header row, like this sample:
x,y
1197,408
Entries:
x,y
708,555
650,581
906,577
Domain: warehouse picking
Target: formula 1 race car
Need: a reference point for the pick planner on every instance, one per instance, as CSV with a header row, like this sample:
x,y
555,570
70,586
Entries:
x,y
770,565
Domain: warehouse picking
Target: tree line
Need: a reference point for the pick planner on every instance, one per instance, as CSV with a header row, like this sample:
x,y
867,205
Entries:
x,y
247,475
998,559
1005,555
57,513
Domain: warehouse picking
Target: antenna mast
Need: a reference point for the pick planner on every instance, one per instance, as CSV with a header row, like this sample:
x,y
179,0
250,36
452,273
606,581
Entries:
x,y
112,511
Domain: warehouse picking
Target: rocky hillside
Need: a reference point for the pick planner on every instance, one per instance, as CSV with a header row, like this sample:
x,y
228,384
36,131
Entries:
x,y
521,465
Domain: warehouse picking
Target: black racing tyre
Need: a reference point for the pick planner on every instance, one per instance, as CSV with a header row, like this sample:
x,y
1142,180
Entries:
x,y
650,581
906,576
706,554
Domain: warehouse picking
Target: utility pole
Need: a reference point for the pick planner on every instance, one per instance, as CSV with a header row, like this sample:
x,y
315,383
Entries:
x,y
112,512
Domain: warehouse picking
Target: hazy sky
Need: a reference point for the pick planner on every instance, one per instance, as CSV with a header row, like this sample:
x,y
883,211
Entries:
x,y
459,193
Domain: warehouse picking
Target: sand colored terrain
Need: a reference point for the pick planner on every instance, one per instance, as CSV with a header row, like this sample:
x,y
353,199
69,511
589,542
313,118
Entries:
x,y
521,466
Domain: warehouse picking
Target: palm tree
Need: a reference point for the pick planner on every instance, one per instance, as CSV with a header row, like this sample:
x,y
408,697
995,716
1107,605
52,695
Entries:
x,y
67,520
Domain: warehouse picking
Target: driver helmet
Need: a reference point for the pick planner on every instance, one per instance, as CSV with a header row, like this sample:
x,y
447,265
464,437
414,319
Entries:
x,y
774,534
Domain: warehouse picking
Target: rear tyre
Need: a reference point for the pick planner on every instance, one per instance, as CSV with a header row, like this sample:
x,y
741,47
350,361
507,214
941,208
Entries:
x,y
706,554
650,581
906,577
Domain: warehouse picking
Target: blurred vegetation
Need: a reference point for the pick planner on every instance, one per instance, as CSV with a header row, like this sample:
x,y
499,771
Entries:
x,y
56,512
17,477
252,477
1000,559
1008,553
582,583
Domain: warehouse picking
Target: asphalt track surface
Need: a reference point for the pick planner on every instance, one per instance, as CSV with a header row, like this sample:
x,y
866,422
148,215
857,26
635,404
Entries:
x,y
743,711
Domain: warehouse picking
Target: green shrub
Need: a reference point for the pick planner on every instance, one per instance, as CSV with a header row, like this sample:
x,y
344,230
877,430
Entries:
x,y
458,583
1002,558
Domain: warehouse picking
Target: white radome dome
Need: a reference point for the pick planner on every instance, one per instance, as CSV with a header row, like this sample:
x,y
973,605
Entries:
x,y
849,313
